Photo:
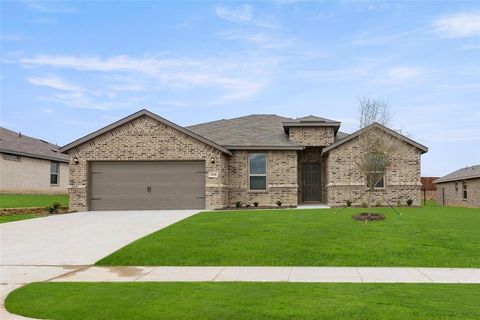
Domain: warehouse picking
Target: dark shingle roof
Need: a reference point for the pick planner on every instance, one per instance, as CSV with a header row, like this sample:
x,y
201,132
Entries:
x,y
461,174
12,142
256,130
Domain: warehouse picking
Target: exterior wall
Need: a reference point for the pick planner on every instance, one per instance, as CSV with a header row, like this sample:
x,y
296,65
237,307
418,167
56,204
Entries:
x,y
310,155
447,195
346,182
31,176
312,136
146,139
281,179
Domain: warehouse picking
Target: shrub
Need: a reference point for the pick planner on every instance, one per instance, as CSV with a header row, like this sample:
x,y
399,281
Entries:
x,y
349,203
238,204
399,203
409,202
248,205
279,203
364,204
378,203
54,207
255,203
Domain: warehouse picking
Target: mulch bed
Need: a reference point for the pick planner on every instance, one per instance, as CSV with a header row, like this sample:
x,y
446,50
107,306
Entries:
x,y
368,216
258,208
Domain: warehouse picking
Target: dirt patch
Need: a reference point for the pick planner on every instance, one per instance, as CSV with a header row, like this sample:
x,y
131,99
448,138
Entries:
x,y
368,216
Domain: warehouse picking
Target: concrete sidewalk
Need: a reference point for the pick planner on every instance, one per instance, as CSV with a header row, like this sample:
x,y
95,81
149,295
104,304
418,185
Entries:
x,y
13,277
273,274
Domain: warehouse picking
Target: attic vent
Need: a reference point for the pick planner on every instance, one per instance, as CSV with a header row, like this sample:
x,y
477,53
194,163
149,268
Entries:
x,y
54,150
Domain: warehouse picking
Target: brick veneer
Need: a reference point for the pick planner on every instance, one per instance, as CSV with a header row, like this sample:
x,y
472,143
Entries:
x,y
143,139
281,179
455,198
345,182
312,136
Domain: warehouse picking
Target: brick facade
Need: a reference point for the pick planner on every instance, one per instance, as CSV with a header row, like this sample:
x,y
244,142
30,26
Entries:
x,y
345,181
146,139
227,176
450,194
312,136
281,179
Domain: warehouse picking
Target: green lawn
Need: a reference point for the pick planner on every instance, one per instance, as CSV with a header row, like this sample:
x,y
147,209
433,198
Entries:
x,y
428,237
17,217
244,301
31,200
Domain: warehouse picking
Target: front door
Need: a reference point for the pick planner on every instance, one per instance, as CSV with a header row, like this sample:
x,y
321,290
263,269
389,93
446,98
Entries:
x,y
311,182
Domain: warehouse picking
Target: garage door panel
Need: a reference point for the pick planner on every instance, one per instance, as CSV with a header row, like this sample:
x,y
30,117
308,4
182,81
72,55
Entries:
x,y
147,185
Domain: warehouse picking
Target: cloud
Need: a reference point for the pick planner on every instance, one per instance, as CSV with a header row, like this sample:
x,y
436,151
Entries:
x,y
458,25
243,14
54,82
116,78
368,39
264,40
49,6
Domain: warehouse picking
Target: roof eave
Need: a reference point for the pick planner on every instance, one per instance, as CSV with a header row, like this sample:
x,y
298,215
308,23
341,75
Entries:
x,y
265,147
138,114
31,155
441,180
419,146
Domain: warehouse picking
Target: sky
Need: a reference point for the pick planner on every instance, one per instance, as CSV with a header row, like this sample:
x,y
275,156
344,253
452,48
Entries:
x,y
69,68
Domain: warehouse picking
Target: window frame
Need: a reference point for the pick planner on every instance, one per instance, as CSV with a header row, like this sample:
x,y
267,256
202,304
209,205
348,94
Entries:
x,y
258,174
464,191
57,174
383,179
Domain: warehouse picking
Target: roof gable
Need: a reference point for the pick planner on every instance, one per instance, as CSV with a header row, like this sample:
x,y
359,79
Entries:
x,y
136,115
378,126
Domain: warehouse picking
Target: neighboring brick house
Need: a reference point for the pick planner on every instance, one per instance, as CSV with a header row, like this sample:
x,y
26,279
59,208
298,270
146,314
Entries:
x,y
31,166
147,162
460,188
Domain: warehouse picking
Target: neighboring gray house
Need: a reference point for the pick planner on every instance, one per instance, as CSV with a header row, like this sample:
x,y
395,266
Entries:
x,y
460,188
31,166
144,161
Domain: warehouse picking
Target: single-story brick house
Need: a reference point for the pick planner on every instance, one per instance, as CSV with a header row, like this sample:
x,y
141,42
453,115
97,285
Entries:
x,y
31,166
460,188
147,162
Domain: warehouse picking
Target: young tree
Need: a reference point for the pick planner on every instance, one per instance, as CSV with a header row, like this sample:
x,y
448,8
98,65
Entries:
x,y
376,146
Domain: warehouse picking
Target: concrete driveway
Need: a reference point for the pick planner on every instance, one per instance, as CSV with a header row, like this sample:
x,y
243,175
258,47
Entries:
x,y
44,248
79,238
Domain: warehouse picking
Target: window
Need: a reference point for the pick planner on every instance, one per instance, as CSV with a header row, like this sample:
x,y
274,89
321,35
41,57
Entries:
x,y
456,186
464,184
11,157
376,179
54,172
257,166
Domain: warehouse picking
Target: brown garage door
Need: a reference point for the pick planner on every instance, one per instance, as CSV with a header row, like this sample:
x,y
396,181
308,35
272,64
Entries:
x,y
133,185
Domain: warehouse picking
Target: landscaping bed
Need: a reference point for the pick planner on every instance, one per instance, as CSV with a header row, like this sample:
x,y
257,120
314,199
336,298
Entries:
x,y
72,301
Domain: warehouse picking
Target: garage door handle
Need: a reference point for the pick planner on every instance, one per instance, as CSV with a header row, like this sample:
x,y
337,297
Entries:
x,y
96,199
200,197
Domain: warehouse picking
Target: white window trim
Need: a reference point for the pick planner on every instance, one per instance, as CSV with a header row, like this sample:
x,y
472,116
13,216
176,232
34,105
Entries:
x,y
58,174
258,174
